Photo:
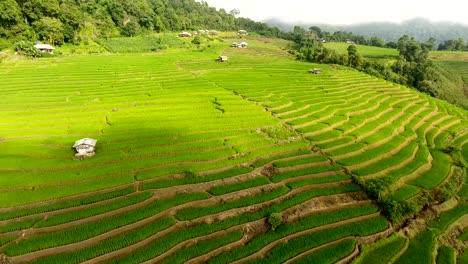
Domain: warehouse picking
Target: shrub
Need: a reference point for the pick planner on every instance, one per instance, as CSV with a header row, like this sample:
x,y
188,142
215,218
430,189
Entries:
x,y
27,49
275,220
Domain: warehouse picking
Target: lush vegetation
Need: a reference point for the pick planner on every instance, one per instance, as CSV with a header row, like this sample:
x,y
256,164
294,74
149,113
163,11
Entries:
x,y
382,251
419,249
199,161
58,21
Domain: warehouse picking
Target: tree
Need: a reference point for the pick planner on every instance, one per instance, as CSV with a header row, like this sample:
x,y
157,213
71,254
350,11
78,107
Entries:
x,y
275,220
131,28
354,58
429,44
377,42
197,41
316,30
391,45
50,29
234,12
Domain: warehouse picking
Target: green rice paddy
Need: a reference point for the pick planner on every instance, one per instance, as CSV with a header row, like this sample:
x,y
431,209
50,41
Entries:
x,y
193,156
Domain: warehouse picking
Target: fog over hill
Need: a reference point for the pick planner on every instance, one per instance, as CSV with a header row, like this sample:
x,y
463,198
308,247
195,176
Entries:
x,y
419,28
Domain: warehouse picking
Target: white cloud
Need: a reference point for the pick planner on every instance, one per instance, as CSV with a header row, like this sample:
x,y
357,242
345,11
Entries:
x,y
348,11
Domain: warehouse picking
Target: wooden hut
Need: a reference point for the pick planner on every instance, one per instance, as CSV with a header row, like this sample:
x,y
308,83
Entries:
x,y
45,48
85,147
222,58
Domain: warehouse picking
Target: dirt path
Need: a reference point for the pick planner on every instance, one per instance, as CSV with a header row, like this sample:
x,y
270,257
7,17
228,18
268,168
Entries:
x,y
89,242
314,206
264,251
210,219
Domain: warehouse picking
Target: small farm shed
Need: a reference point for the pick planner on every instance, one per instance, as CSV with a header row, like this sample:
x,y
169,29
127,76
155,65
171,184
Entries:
x,y
46,48
243,45
185,34
316,71
235,45
85,147
222,58
242,32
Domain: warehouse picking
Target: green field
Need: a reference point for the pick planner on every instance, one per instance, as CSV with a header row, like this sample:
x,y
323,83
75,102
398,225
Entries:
x,y
194,156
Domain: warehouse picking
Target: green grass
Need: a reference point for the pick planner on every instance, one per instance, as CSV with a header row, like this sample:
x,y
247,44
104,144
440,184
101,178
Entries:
x,y
6,239
173,121
110,244
203,247
24,224
95,210
464,235
446,218
405,192
250,183
301,172
295,162
463,258
319,180
382,251
89,230
419,249
195,212
283,230
330,254
366,51
298,245
190,179
66,204
445,255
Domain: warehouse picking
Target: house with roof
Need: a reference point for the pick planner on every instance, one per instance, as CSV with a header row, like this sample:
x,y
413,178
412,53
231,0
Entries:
x,y
222,58
242,32
45,48
243,45
185,34
85,147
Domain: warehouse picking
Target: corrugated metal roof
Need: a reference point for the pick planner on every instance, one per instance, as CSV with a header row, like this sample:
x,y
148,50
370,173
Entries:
x,y
44,46
85,141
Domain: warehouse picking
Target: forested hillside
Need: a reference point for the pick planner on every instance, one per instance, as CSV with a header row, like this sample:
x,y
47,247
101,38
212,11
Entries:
x,y
58,21
420,29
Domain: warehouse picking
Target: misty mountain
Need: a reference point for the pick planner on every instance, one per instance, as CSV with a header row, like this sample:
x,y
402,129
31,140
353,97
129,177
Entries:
x,y
419,28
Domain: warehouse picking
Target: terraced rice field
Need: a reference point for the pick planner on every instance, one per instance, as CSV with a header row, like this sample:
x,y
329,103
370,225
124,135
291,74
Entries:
x,y
194,157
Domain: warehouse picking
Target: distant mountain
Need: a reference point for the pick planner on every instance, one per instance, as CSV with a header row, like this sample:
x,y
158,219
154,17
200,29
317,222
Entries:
x,y
419,28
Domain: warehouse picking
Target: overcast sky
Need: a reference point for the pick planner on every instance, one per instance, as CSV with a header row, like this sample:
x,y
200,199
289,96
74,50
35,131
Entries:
x,y
348,11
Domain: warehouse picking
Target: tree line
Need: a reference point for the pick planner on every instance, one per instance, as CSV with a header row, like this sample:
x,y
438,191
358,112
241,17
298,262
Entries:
x,y
77,21
413,67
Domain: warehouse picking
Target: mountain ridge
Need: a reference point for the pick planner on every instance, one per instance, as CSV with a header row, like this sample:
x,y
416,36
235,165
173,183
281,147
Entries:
x,y
420,28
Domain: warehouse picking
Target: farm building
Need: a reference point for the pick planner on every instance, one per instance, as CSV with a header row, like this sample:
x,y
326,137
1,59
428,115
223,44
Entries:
x,y
242,32
222,58
85,147
185,34
316,71
243,45
46,48
235,45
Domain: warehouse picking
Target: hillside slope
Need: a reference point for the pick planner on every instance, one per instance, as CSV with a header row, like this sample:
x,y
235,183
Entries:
x,y
250,160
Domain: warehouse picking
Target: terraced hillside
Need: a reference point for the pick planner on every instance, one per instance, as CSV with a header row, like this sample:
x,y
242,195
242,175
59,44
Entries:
x,y
198,161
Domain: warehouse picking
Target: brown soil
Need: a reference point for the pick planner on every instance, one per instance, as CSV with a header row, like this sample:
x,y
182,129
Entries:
x,y
264,251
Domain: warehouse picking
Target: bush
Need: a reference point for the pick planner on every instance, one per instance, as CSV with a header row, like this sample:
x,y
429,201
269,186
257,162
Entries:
x,y
275,220
27,49
4,44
